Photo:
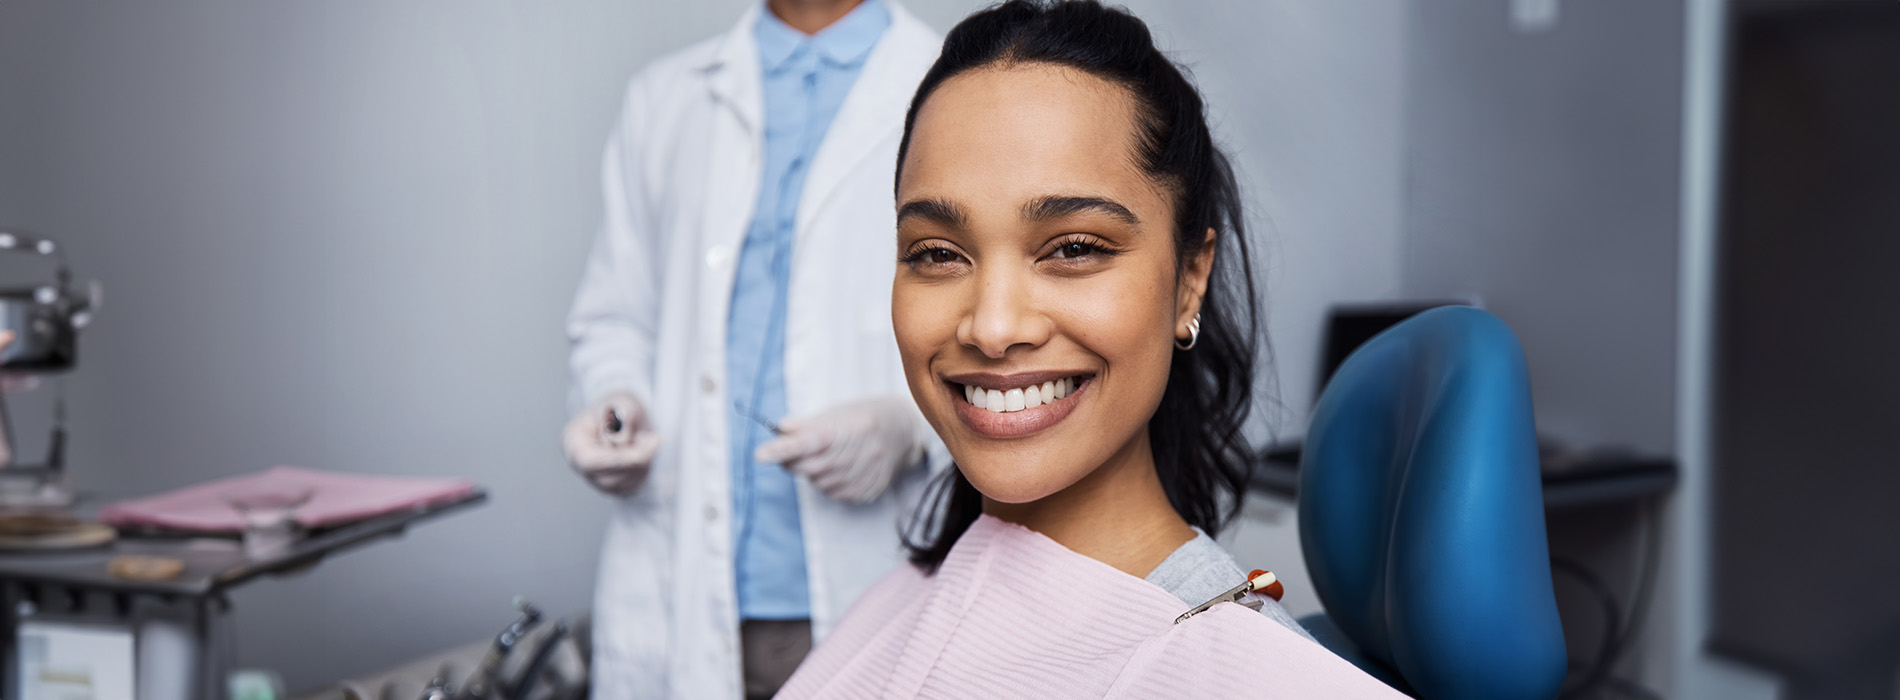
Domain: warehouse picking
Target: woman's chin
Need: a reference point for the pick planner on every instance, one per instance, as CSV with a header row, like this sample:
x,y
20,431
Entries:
x,y
1004,486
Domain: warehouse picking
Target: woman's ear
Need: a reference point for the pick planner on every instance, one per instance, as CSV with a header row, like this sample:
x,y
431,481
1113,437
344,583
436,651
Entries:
x,y
1194,284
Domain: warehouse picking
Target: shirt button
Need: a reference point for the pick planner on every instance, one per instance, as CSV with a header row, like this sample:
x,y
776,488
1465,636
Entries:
x,y
706,384
716,256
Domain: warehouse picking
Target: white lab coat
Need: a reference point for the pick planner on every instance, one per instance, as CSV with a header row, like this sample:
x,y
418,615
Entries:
x,y
681,177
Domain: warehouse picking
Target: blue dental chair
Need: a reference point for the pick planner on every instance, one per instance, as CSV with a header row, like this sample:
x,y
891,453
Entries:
x,y
1421,514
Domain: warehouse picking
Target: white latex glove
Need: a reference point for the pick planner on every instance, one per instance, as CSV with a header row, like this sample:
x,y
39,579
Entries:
x,y
613,460
850,452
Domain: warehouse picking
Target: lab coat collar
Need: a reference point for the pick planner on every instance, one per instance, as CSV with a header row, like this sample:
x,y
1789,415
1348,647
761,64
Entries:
x,y
732,71
874,109
735,79
845,43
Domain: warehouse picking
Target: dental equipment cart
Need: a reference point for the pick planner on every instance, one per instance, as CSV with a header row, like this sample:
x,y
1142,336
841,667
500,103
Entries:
x,y
168,629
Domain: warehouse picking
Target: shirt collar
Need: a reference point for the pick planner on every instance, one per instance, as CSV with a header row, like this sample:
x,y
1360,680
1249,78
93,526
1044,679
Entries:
x,y
846,42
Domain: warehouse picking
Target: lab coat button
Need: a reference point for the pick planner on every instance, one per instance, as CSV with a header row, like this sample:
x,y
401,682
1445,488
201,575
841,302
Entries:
x,y
716,256
706,384
712,514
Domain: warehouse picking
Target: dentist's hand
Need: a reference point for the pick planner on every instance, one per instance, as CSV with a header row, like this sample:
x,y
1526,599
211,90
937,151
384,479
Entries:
x,y
850,452
611,444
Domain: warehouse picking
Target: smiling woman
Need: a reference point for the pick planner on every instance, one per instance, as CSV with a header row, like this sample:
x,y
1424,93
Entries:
x,y
1040,242
1074,307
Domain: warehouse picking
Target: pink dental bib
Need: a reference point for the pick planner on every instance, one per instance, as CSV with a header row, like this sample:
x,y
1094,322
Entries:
x,y
1011,613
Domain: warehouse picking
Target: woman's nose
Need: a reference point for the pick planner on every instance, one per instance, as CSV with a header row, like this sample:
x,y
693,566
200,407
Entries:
x,y
1003,316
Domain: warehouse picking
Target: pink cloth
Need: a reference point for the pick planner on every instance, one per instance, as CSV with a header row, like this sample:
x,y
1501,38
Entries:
x,y
335,498
1013,614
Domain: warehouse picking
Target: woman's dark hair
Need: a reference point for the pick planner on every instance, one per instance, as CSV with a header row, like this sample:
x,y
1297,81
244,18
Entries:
x,y
1200,453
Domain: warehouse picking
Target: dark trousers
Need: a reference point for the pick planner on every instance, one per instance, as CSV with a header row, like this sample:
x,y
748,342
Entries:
x,y
770,651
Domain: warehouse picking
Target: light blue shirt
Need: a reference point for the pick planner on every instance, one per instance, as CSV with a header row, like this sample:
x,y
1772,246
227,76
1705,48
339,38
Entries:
x,y
806,79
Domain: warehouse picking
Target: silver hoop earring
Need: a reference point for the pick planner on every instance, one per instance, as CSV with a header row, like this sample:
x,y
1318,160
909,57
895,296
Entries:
x,y
1194,334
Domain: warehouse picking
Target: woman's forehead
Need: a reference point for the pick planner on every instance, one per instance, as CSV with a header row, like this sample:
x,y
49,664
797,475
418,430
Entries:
x,y
1012,135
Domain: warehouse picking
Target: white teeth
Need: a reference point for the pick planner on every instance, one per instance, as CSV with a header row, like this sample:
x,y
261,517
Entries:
x,y
1012,400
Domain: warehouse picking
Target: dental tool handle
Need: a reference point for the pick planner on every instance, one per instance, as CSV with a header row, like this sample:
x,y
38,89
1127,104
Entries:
x,y
539,661
487,677
1267,584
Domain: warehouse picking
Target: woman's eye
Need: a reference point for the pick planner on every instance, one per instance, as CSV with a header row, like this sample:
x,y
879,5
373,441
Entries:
x,y
1076,249
933,257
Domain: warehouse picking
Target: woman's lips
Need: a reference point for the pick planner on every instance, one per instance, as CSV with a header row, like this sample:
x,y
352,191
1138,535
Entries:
x,y
1020,423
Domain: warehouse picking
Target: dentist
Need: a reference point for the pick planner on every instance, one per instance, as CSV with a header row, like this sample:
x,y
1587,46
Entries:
x,y
732,347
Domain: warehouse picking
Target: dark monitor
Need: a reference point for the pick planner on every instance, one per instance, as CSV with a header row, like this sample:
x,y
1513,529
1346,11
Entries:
x,y
1350,326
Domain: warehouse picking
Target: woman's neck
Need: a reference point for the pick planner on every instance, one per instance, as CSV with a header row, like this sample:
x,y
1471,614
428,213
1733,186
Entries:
x,y
1118,514
811,16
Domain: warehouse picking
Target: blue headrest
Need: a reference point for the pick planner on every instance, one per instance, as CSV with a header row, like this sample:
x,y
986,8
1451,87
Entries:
x,y
1422,515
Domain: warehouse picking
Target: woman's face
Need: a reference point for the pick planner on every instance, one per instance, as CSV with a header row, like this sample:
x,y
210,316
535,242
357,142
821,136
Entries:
x,y
1037,295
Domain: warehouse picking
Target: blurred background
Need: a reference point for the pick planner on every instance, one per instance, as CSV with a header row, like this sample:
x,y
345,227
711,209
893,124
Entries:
x,y
343,235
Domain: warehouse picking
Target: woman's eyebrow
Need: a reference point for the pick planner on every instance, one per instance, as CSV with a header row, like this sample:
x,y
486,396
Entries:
x,y
934,210
1058,206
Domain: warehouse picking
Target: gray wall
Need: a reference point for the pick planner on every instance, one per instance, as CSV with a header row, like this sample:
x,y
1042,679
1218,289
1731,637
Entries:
x,y
1542,175
342,235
